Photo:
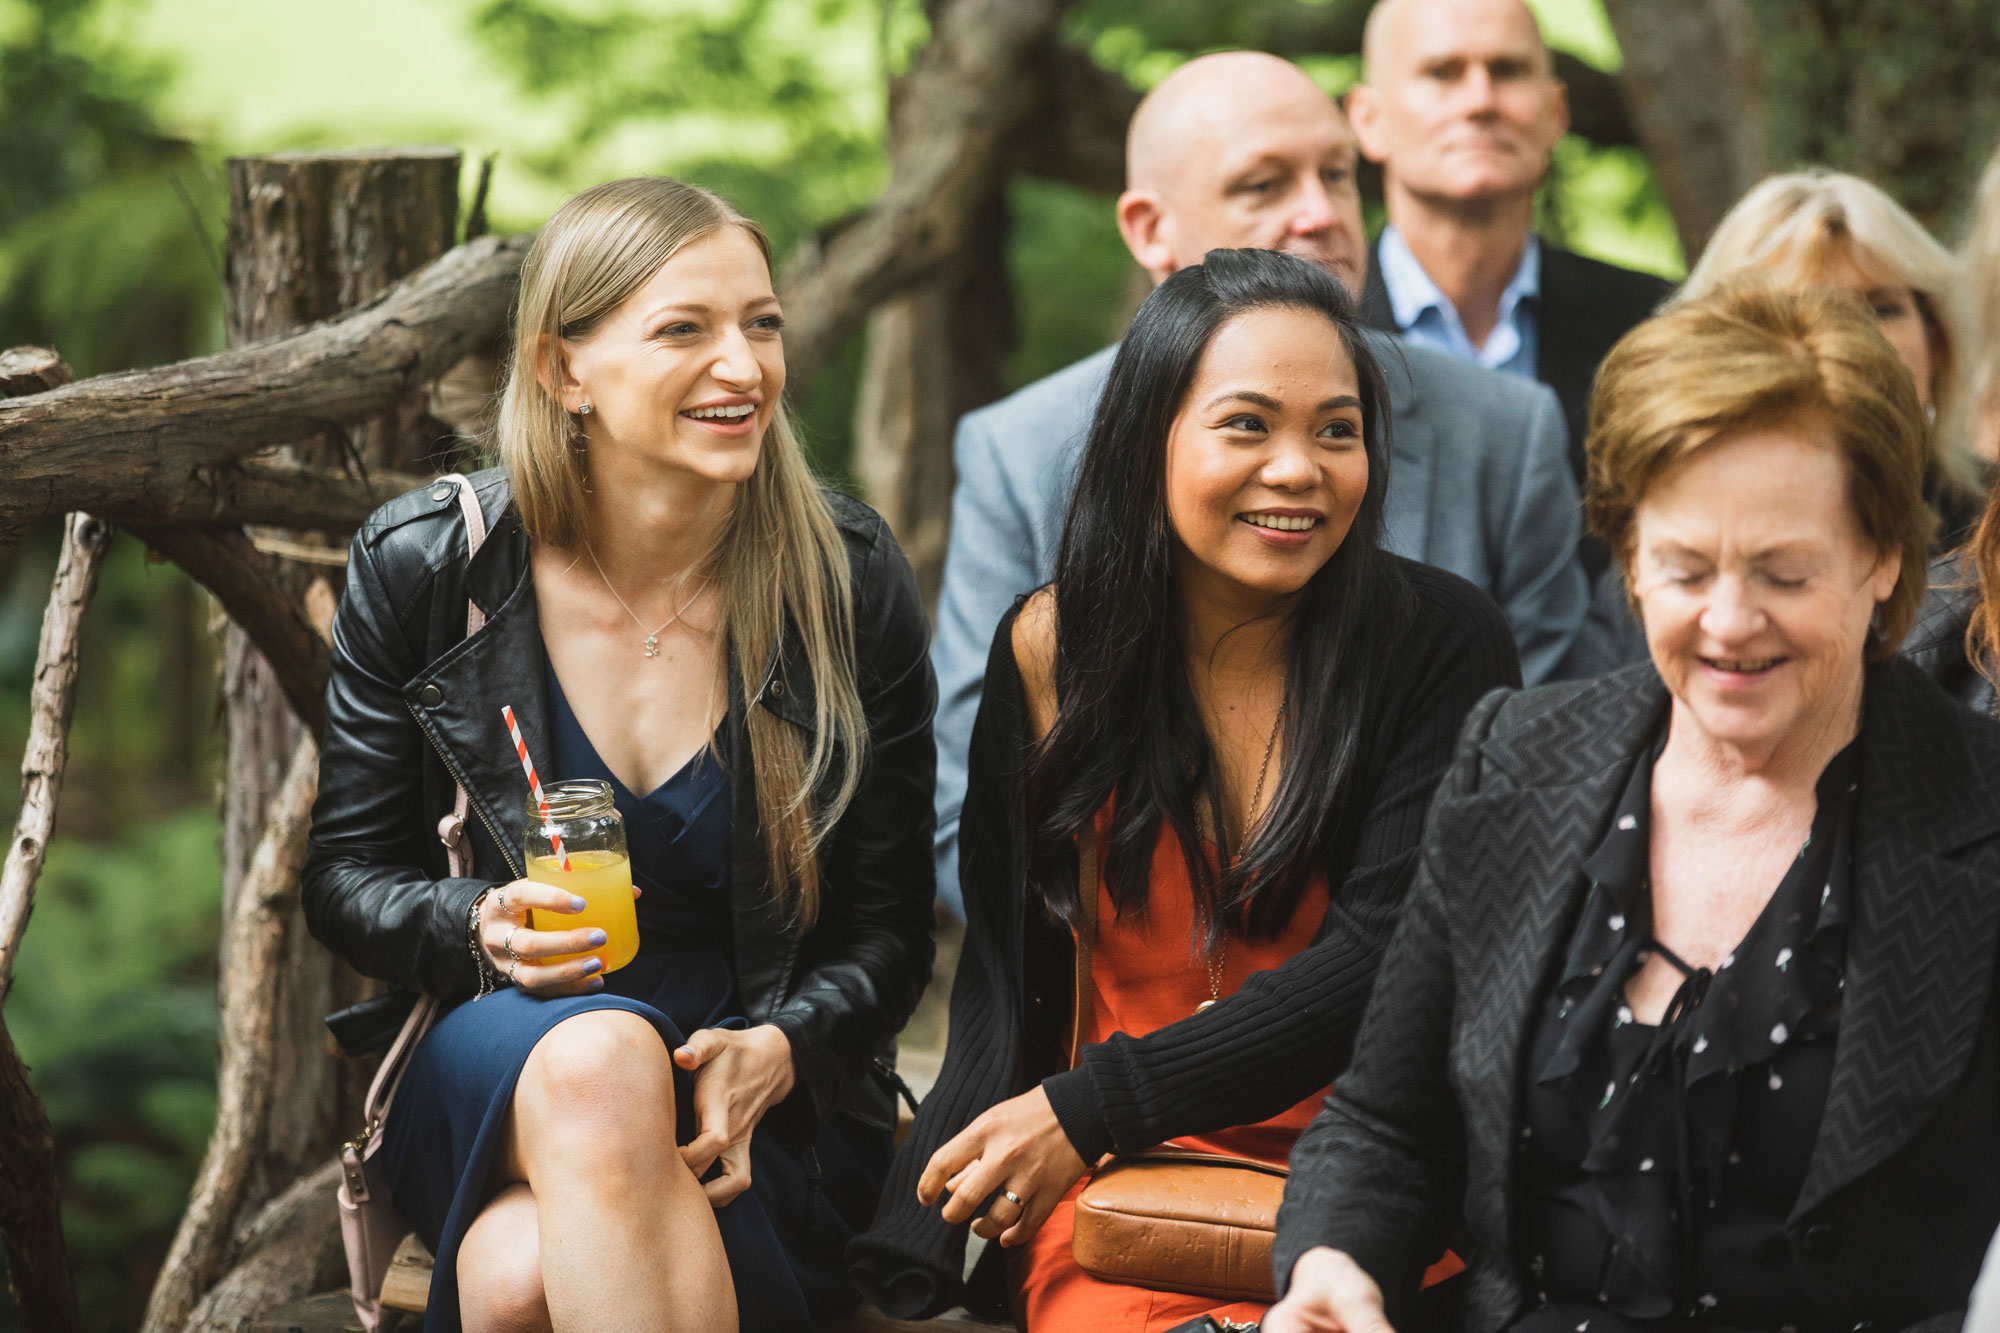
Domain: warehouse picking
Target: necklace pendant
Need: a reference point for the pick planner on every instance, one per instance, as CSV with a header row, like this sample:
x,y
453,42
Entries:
x,y
652,645
1204,1006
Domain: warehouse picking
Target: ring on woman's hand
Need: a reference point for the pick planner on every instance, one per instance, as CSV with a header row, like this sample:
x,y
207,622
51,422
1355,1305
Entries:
x,y
510,972
500,901
1011,1197
507,945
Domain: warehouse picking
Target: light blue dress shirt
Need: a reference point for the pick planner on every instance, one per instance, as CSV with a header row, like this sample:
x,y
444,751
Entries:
x,y
1427,317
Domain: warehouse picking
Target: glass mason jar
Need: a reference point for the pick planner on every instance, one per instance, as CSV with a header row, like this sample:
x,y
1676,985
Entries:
x,y
584,819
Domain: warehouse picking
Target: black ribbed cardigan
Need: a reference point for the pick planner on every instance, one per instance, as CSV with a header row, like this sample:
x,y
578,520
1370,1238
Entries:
x,y
1286,1033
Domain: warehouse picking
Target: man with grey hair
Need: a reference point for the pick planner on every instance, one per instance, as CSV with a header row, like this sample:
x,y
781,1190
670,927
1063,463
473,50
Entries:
x,y
1461,106
1242,150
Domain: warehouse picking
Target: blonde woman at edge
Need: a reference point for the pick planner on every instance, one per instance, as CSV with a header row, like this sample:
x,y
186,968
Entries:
x,y
673,607
1820,228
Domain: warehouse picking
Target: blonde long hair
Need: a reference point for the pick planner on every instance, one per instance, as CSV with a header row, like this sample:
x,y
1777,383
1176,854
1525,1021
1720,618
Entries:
x,y
1795,225
780,561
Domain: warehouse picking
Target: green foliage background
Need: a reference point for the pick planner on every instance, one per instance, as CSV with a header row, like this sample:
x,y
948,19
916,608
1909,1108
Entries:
x,y
112,134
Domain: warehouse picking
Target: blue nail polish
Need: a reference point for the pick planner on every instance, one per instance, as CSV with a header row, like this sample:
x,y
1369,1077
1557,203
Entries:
x,y
592,965
595,983
576,904
597,939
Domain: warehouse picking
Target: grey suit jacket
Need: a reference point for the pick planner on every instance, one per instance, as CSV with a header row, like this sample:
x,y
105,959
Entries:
x,y
1479,484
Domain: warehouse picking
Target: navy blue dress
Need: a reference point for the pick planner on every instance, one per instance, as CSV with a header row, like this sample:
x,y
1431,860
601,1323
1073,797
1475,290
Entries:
x,y
784,1235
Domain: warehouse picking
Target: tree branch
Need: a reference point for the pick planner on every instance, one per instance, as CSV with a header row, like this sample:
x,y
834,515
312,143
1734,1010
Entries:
x,y
105,444
265,493
291,1248
223,561
957,107
38,1272
1076,133
255,943
85,540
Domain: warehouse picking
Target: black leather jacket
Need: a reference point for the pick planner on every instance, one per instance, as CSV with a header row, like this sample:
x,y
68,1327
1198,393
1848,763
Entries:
x,y
1937,641
413,706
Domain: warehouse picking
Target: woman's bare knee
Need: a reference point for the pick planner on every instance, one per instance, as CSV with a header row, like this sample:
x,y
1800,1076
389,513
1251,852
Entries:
x,y
599,1083
500,1268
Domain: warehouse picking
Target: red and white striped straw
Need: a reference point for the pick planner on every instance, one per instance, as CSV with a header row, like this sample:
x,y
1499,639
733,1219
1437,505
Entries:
x,y
535,785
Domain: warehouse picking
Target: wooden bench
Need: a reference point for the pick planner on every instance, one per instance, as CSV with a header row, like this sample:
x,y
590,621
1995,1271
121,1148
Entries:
x,y
333,1312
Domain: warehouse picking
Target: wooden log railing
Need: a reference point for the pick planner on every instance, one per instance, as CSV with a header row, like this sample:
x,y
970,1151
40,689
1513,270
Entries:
x,y
121,446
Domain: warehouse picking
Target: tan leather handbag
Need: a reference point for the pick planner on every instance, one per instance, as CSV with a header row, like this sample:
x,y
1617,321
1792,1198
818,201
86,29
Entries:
x,y
1168,1219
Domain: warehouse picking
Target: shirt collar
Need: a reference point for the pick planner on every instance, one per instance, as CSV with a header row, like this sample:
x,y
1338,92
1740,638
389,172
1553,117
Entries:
x,y
1411,291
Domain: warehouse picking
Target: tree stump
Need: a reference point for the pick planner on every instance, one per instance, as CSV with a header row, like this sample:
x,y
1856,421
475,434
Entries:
x,y
310,235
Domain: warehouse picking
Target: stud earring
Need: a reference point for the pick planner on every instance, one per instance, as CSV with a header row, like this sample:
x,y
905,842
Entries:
x,y
584,410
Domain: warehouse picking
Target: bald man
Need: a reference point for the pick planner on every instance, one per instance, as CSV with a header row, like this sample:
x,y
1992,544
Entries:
x,y
1243,150
1461,106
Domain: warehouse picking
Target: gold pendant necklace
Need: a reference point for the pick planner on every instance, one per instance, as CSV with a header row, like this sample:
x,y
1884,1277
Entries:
x,y
1219,956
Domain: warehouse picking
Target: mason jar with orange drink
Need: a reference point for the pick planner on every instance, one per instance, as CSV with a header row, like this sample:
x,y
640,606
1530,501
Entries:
x,y
584,828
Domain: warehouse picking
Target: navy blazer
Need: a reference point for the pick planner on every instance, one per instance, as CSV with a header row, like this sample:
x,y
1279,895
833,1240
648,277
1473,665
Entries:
x,y
1585,306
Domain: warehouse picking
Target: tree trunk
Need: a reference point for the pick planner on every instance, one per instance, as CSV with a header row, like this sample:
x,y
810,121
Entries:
x,y
934,354
38,1273
967,93
1705,136
311,235
1899,92
291,1248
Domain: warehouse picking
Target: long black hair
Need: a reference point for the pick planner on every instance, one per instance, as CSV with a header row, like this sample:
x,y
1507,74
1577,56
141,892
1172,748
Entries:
x,y
1126,720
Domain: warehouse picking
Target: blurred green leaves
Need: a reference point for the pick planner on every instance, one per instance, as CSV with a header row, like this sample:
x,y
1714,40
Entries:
x,y
113,1006
777,104
101,255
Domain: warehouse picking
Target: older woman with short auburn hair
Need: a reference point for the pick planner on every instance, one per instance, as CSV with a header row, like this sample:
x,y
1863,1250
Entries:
x,y
1692,1019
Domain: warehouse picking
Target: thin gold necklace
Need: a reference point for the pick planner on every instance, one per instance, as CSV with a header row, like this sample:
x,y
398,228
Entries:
x,y
652,639
1220,956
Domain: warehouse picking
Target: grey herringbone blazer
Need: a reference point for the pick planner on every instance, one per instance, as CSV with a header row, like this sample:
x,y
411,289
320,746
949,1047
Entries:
x,y
1903,1191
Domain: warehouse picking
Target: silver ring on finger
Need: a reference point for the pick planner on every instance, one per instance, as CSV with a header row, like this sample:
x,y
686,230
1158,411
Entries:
x,y
511,967
500,901
507,945
1011,1197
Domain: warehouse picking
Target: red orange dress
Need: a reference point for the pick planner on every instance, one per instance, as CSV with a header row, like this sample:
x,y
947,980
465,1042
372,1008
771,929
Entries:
x,y
1147,974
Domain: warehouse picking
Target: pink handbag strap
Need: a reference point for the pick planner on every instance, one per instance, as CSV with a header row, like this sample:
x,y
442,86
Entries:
x,y
458,851
451,829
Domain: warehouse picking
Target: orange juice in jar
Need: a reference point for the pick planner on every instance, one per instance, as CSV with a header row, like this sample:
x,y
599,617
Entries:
x,y
582,815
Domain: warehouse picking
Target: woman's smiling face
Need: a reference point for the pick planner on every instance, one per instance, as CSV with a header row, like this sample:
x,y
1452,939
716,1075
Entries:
x,y
1266,465
1757,586
687,371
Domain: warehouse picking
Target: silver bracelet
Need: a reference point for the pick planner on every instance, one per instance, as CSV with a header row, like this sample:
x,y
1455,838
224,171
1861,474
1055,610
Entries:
x,y
480,966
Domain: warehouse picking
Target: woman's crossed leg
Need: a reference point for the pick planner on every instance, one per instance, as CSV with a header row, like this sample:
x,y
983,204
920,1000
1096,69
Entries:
x,y
597,1223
